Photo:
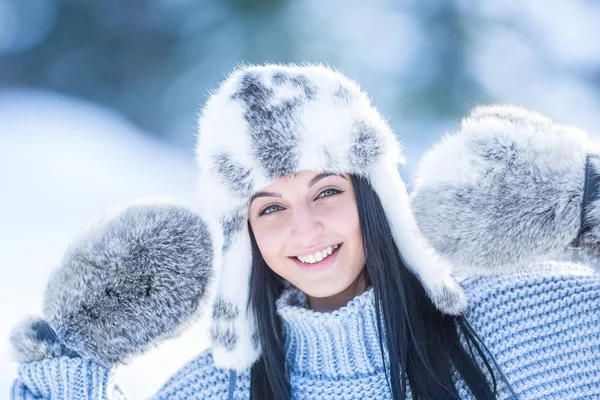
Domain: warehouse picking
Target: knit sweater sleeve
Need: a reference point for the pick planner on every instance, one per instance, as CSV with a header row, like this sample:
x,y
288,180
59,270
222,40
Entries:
x,y
79,379
543,328
200,379
65,378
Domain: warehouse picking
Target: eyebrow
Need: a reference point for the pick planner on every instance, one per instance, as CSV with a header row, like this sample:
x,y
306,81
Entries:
x,y
263,194
311,183
321,176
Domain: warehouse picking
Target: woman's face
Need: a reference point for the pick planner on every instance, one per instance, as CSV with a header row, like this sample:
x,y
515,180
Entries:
x,y
307,229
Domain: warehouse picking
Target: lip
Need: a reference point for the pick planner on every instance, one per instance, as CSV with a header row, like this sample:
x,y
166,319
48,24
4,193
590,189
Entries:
x,y
312,251
318,266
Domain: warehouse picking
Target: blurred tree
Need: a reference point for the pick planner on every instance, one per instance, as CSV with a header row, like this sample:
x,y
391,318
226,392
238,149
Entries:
x,y
441,85
152,60
155,60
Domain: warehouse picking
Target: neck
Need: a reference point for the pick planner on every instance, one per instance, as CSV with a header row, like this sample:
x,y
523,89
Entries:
x,y
331,303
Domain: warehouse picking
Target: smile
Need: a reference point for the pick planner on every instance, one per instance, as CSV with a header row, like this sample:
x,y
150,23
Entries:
x,y
319,255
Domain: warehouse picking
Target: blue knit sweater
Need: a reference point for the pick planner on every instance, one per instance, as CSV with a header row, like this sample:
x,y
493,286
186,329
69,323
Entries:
x,y
543,328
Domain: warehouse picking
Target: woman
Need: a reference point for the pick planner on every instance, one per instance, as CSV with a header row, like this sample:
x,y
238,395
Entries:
x,y
327,289
302,172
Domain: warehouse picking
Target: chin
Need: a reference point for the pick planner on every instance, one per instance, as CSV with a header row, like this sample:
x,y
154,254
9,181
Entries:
x,y
324,290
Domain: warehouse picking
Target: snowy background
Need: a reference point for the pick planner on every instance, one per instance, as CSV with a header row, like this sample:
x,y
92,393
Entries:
x,y
98,101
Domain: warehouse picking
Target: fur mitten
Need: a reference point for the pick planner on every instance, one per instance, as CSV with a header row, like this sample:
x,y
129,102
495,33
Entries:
x,y
133,279
506,190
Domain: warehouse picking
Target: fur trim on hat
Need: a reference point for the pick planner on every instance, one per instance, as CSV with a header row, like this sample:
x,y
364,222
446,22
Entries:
x,y
265,122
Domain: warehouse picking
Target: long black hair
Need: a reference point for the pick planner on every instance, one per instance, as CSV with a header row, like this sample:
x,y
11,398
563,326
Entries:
x,y
424,345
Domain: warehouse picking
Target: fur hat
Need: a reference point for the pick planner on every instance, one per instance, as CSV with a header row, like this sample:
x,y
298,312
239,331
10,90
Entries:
x,y
506,190
265,122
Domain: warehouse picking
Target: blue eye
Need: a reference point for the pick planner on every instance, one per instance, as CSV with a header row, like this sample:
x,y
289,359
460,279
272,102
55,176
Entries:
x,y
329,192
269,210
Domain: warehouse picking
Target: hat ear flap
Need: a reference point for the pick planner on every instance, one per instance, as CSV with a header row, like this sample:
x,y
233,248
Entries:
x,y
235,344
420,258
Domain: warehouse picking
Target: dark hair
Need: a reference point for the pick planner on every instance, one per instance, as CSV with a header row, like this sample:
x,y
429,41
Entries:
x,y
424,345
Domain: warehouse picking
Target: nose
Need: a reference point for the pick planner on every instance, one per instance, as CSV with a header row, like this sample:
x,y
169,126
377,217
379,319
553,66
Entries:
x,y
307,227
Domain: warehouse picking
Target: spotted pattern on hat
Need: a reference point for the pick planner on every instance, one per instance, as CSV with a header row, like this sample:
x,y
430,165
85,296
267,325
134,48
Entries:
x,y
224,310
231,224
272,124
237,177
343,94
365,147
225,335
255,338
309,89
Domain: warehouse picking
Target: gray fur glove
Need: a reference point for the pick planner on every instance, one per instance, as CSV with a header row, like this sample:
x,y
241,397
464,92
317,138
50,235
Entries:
x,y
132,280
507,190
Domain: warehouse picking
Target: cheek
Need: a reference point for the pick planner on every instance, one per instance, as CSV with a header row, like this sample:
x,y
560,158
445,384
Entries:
x,y
271,243
356,241
344,219
347,224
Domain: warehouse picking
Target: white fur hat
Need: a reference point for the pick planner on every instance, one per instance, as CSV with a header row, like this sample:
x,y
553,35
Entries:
x,y
265,122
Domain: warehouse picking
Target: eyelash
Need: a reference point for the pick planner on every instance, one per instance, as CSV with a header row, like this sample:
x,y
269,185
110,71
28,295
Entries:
x,y
334,190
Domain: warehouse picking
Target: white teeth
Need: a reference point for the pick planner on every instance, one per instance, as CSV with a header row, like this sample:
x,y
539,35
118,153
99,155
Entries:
x,y
319,255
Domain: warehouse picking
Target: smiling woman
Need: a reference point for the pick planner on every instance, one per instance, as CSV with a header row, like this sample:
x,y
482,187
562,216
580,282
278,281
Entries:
x,y
307,229
327,286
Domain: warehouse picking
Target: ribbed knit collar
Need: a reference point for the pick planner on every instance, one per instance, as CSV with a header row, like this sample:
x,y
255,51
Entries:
x,y
339,344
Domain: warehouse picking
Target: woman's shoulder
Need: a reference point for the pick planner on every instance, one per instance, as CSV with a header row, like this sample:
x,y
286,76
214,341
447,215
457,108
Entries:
x,y
201,379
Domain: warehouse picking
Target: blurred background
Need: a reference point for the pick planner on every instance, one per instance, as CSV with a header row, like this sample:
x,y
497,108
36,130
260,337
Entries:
x,y
99,100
